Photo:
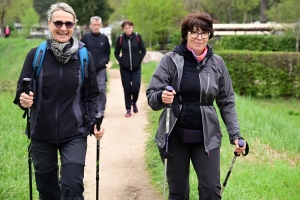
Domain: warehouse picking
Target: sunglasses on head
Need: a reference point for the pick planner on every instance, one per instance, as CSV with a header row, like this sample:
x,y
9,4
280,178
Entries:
x,y
59,24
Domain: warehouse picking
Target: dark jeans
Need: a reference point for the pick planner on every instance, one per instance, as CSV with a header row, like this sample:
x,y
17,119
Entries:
x,y
45,160
131,81
207,167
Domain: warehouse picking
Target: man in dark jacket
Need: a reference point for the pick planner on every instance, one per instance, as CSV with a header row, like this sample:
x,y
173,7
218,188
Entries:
x,y
99,46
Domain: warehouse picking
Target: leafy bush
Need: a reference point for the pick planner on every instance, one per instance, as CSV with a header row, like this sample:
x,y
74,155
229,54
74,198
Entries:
x,y
256,43
267,74
115,33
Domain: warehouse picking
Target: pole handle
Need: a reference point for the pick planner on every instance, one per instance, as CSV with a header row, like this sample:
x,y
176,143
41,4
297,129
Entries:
x,y
169,89
241,143
26,82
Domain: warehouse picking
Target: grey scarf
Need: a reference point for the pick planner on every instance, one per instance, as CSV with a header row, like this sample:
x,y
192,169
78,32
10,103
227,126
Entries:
x,y
63,51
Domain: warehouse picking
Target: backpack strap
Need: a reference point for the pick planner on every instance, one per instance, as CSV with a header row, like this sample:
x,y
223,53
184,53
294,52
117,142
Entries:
x,y
137,37
38,60
84,62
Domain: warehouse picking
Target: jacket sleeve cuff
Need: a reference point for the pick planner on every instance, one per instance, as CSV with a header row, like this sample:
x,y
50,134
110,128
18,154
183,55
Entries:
x,y
159,98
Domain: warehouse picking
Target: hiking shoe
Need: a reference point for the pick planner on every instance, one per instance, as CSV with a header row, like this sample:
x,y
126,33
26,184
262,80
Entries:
x,y
128,113
135,109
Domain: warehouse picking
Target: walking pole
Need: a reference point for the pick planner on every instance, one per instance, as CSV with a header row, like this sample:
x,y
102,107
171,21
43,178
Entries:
x,y
99,118
241,144
168,106
26,87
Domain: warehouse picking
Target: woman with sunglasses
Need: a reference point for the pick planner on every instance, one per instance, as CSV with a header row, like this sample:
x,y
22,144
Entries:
x,y
63,109
199,77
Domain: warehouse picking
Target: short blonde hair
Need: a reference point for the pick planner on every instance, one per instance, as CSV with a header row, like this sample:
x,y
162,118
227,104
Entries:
x,y
60,6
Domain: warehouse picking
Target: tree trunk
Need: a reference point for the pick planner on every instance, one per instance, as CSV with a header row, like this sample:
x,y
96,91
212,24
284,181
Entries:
x,y
245,17
263,8
229,14
2,21
297,35
297,43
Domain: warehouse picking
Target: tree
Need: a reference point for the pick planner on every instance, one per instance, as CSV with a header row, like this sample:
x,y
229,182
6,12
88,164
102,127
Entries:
x,y
245,6
41,7
287,11
263,9
116,14
15,14
4,6
219,15
192,5
29,19
86,9
10,12
155,20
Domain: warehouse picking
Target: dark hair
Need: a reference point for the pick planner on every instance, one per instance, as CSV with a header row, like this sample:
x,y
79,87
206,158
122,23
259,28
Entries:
x,y
196,20
126,22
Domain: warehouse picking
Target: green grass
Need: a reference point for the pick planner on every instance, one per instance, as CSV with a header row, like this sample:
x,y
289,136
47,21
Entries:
x,y
13,148
270,171
12,56
14,182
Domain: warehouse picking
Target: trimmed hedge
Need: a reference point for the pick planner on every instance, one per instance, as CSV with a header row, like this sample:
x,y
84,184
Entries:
x,y
256,43
264,74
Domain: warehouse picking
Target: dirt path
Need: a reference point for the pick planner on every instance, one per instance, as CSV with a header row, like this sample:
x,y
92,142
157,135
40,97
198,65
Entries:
x,y
123,173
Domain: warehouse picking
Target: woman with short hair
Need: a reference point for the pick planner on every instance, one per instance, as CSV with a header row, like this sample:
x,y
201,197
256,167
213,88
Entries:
x,y
130,52
63,109
199,77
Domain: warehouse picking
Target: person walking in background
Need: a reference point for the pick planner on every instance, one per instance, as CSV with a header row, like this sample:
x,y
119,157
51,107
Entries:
x,y
63,109
7,31
98,45
199,77
133,52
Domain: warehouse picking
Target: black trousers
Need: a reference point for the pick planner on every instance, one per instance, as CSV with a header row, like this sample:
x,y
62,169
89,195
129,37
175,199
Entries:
x,y
131,81
45,161
207,167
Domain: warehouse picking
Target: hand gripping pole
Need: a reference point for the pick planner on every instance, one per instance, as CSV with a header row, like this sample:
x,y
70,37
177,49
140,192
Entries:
x,y
99,118
241,144
26,88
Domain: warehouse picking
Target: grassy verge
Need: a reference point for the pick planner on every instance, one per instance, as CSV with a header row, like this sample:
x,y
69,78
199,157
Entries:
x,y
14,182
270,171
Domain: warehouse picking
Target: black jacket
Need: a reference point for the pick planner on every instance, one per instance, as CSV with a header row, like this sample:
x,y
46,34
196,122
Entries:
x,y
133,51
99,47
192,116
63,108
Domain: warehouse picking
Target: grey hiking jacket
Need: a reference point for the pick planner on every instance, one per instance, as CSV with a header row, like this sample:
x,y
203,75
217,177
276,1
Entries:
x,y
215,85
